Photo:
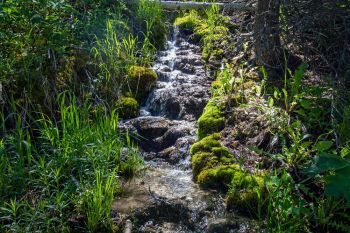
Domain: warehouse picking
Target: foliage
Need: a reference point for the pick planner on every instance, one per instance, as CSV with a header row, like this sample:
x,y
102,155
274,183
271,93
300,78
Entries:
x,y
189,21
213,31
336,170
286,210
115,54
71,169
149,16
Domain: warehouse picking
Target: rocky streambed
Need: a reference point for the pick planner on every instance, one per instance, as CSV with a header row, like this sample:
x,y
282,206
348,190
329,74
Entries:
x,y
164,198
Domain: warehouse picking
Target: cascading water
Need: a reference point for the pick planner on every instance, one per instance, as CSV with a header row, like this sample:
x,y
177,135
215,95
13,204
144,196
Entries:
x,y
164,198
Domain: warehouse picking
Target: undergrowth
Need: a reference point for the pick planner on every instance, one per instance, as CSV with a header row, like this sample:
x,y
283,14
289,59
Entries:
x,y
61,155
305,154
71,169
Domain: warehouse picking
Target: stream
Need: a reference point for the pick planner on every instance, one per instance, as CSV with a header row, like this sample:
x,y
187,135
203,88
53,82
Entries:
x,y
164,198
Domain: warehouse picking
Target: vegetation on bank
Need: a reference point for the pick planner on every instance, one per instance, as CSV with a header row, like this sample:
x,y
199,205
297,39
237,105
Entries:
x,y
295,178
67,71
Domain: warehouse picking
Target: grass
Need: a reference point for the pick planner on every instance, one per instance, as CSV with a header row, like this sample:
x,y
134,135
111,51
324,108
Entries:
x,y
71,169
61,155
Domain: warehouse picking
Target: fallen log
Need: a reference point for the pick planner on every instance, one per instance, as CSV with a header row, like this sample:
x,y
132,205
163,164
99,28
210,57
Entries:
x,y
176,5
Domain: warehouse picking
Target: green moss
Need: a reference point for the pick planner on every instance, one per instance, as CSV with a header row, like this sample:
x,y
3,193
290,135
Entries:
x,y
141,80
209,153
244,191
203,160
189,21
219,177
206,144
212,119
127,107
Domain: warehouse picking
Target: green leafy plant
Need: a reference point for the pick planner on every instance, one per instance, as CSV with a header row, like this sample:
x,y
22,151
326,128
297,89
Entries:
x,y
335,170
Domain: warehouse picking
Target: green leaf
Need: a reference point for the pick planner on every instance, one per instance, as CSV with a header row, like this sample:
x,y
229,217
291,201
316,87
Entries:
x,y
337,185
344,152
323,146
307,104
326,162
271,102
298,75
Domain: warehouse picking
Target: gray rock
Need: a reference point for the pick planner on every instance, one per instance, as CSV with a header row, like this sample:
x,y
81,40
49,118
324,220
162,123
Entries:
x,y
221,226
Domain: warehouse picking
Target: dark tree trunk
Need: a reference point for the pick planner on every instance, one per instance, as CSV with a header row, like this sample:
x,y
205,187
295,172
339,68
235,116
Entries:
x,y
266,33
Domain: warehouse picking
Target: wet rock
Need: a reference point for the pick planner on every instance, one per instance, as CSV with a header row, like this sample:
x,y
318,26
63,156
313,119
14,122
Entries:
x,y
194,106
163,75
184,67
221,226
164,211
151,127
173,108
166,153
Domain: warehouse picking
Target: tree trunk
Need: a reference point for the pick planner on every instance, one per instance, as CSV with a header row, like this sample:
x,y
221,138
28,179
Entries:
x,y
266,33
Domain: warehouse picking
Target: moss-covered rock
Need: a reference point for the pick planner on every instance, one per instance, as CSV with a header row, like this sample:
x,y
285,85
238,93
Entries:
x,y
141,80
201,161
245,190
206,144
128,107
209,153
219,177
212,119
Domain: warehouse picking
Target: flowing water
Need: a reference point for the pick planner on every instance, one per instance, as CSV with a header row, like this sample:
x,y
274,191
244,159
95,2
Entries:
x,y
164,198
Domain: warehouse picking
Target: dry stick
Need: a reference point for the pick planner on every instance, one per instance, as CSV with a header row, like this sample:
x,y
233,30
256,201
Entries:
x,y
128,226
175,5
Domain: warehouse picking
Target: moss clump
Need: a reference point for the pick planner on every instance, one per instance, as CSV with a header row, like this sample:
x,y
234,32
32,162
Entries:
x,y
219,177
208,153
206,144
201,161
189,21
141,80
128,107
212,167
212,119
244,191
